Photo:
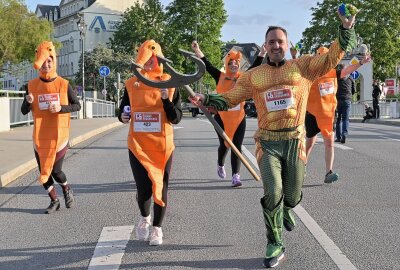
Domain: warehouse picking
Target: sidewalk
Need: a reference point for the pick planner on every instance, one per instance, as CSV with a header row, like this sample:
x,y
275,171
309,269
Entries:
x,y
380,121
16,147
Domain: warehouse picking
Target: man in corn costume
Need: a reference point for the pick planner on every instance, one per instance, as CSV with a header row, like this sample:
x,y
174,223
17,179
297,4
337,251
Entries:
x,y
280,91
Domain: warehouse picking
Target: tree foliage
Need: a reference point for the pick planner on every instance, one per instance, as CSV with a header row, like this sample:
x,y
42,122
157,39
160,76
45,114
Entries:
x,y
174,27
20,32
139,23
377,25
118,62
196,19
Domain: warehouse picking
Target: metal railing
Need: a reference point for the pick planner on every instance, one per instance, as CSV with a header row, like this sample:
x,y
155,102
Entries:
x,y
100,108
385,106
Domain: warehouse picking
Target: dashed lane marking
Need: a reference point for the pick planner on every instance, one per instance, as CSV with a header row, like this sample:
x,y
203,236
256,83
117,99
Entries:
x,y
323,239
110,248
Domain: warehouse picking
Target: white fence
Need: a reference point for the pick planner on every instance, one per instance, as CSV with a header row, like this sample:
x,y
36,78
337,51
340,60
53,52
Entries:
x,y
10,109
389,108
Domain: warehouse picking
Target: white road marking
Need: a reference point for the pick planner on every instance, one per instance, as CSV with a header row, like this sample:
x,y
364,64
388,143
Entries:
x,y
110,248
390,138
337,145
323,239
176,127
250,156
326,243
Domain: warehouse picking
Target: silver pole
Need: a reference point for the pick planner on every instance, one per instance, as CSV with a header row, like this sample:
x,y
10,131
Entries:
x,y
83,76
118,86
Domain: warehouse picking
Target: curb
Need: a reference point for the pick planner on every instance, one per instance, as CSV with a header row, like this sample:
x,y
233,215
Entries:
x,y
10,176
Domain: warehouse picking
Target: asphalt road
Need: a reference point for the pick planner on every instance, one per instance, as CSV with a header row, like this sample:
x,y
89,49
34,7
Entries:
x,y
351,224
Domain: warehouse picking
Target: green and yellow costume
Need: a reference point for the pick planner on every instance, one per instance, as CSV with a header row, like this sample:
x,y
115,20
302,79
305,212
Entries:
x,y
280,92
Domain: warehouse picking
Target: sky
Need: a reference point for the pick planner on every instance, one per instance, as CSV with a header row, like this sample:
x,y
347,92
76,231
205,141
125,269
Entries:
x,y
249,19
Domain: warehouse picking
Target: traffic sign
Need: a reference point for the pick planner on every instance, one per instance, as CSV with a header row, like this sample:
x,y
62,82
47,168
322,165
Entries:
x,y
355,75
104,71
104,92
354,60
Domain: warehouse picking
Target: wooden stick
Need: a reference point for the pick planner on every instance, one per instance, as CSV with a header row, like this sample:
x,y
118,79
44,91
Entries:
x,y
222,133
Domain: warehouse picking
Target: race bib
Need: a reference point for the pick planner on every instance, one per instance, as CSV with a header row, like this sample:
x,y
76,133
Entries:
x,y
47,99
147,122
280,99
236,108
326,88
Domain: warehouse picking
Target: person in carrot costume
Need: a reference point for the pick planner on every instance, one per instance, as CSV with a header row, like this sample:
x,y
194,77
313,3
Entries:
x,y
321,107
233,122
151,113
51,100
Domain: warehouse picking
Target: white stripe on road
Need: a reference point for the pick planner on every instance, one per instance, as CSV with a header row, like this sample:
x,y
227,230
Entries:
x,y
340,146
323,239
250,156
327,244
110,248
390,138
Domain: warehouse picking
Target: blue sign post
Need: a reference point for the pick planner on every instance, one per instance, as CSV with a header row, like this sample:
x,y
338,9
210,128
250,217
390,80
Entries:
x,y
104,71
355,75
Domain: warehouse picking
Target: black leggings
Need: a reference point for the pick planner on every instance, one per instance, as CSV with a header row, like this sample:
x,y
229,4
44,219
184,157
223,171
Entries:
x,y
56,174
144,190
237,141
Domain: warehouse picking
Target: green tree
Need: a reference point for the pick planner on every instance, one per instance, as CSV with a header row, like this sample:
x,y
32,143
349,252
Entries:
x,y
195,19
118,62
139,23
20,32
377,24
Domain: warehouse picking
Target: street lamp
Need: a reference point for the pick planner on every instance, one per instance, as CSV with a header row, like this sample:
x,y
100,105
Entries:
x,y
82,27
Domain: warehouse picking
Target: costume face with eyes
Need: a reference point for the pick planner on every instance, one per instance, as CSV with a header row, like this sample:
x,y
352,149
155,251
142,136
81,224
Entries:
x,y
232,63
147,57
46,60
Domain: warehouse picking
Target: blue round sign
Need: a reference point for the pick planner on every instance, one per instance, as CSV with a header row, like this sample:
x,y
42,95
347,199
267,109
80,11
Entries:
x,y
104,71
355,75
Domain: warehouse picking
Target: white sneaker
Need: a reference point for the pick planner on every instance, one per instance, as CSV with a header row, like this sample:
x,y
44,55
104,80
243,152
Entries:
x,y
156,236
142,229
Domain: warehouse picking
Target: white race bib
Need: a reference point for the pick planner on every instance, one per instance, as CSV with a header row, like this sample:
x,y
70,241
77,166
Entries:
x,y
46,99
236,108
280,99
147,122
326,88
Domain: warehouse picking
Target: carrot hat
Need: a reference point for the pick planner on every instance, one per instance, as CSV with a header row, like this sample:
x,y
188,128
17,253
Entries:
x,y
45,50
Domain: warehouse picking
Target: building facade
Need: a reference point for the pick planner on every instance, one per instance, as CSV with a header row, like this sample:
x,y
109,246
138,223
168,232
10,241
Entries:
x,y
100,18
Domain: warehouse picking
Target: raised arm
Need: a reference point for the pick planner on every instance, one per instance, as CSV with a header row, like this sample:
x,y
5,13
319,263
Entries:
x,y
349,69
213,71
318,65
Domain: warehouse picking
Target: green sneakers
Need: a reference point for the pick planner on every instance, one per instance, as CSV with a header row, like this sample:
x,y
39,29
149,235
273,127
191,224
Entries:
x,y
274,253
331,177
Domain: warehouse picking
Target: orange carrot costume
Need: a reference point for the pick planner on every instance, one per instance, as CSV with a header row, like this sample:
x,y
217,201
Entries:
x,y
322,99
51,130
233,117
150,136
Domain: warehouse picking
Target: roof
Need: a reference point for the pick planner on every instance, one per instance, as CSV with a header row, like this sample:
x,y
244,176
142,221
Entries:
x,y
249,52
45,9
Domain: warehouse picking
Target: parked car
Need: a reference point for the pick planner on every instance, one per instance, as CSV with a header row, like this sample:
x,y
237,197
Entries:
x,y
193,109
250,108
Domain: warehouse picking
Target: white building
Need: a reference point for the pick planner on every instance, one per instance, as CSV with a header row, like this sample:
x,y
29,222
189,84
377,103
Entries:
x,y
101,18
